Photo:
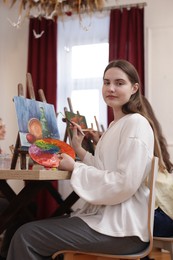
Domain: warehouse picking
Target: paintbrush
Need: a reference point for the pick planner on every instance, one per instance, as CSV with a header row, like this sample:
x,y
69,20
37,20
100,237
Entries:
x,y
73,124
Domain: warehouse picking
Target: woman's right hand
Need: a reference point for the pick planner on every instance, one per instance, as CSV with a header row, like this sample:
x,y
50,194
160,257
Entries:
x,y
77,137
76,141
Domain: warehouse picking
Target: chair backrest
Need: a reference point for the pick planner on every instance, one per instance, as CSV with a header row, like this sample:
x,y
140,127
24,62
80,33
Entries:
x,y
151,205
151,180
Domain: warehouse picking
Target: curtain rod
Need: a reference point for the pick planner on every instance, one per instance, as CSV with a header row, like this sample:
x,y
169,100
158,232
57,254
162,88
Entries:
x,y
127,6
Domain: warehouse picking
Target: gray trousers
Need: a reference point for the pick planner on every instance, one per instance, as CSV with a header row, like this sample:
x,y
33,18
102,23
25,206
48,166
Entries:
x,y
40,239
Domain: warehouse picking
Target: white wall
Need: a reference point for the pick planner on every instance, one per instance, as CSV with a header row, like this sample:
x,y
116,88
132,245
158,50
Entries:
x,y
13,61
13,64
159,63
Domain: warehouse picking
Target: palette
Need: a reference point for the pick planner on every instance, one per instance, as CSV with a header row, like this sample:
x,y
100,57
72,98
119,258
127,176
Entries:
x,y
46,151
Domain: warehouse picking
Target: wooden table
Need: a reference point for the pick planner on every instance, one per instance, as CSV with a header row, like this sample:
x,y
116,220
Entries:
x,y
34,175
36,180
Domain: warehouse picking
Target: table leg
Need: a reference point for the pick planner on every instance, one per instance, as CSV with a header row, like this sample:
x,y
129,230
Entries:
x,y
65,207
19,202
7,190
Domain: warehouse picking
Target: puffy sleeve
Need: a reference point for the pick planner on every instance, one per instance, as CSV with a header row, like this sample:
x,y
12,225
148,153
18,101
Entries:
x,y
120,165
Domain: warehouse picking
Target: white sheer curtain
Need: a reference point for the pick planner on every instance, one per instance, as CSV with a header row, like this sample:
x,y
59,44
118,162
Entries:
x,y
72,32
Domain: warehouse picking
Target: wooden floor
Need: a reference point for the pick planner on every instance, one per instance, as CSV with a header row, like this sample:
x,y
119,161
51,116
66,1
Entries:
x,y
158,255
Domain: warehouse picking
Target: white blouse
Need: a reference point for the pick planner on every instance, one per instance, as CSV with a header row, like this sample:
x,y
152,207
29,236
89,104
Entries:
x,y
112,181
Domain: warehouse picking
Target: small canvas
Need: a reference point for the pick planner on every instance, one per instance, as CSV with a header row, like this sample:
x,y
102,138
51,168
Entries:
x,y
80,120
36,120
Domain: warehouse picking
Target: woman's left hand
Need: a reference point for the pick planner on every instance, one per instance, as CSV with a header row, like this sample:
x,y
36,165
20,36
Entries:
x,y
66,162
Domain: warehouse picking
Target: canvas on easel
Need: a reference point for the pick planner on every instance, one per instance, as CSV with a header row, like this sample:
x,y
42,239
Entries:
x,y
36,120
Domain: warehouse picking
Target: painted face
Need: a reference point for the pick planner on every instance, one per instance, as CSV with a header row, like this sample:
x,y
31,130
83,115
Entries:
x,y
2,130
117,88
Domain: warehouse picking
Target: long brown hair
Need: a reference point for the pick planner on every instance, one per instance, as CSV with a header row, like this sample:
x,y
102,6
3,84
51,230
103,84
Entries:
x,y
161,138
136,103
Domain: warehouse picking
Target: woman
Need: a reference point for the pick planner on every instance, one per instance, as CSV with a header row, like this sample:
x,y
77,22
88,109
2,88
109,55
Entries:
x,y
163,218
3,201
163,221
2,132
112,182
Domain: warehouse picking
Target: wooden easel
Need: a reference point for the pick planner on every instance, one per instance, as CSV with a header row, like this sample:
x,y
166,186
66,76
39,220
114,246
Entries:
x,y
18,151
20,205
65,205
23,152
90,147
71,110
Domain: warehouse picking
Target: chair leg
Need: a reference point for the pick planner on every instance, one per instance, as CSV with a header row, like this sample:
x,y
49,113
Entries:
x,y
171,251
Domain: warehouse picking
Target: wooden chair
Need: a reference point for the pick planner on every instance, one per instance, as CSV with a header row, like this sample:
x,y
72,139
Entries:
x,y
164,243
77,255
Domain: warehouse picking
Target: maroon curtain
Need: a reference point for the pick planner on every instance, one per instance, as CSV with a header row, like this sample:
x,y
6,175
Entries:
x,y
42,64
42,57
126,40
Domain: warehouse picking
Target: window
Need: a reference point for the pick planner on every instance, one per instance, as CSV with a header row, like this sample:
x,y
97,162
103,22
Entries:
x,y
88,100
82,58
82,66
